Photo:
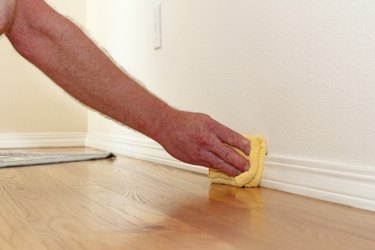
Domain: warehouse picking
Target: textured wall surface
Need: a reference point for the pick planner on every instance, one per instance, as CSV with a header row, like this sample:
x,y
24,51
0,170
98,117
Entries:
x,y
300,73
29,101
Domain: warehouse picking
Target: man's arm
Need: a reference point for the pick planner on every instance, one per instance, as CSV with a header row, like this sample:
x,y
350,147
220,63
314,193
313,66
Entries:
x,y
62,51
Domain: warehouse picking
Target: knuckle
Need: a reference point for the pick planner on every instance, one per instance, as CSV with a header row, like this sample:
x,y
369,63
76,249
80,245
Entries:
x,y
231,139
199,137
212,125
212,128
220,165
197,153
225,154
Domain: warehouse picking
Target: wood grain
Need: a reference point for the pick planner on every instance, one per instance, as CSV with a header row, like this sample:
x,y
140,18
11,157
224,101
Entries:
x,y
131,204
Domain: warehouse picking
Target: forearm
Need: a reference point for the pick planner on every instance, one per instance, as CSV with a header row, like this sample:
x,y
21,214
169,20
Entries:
x,y
64,53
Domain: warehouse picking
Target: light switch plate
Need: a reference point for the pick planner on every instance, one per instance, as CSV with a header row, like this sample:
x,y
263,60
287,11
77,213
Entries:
x,y
157,26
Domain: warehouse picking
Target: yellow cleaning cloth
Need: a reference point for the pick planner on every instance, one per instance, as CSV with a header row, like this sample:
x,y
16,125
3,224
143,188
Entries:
x,y
250,178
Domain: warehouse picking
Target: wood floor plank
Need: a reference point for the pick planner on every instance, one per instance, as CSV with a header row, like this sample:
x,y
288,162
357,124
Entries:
x,y
39,194
56,212
143,240
16,232
136,187
67,177
151,223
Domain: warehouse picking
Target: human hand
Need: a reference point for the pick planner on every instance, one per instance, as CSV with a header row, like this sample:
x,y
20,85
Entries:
x,y
200,140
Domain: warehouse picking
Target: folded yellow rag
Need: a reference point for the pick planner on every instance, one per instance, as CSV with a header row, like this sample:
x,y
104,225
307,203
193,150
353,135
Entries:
x,y
252,177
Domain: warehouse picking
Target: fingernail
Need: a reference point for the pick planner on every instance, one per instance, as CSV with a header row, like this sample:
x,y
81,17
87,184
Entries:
x,y
247,147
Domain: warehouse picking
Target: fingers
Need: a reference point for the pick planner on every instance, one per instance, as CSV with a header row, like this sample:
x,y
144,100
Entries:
x,y
231,157
216,162
234,139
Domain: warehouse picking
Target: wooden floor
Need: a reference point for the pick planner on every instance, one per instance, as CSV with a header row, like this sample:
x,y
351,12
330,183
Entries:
x,y
131,204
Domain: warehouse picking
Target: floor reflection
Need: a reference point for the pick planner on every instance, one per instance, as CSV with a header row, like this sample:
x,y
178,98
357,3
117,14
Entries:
x,y
237,197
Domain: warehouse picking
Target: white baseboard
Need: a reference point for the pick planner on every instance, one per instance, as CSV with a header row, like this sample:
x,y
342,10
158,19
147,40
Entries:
x,y
345,184
41,140
350,185
144,149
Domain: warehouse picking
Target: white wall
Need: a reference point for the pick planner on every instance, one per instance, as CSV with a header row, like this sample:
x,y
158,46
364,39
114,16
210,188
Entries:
x,y
29,101
300,73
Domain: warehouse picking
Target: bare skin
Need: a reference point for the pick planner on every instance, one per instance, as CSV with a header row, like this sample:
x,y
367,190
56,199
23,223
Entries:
x,y
7,8
65,54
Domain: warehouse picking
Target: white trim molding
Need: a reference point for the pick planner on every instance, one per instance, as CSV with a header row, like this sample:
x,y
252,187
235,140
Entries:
x,y
345,184
40,140
350,185
140,148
